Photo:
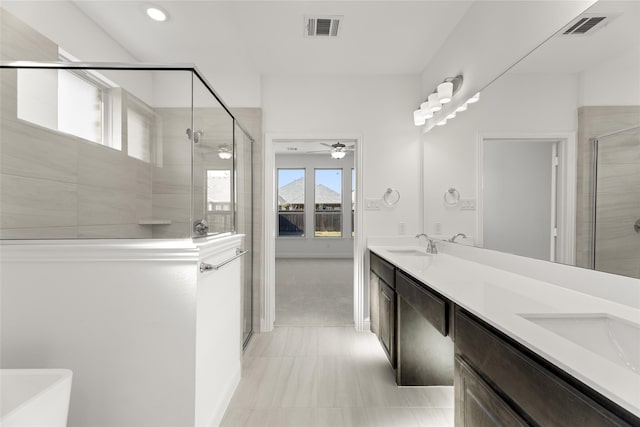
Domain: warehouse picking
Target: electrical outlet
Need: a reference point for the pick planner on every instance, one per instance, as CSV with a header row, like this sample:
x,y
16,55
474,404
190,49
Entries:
x,y
372,204
467,204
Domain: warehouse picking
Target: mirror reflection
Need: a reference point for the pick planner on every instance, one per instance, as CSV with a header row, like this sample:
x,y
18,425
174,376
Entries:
x,y
547,164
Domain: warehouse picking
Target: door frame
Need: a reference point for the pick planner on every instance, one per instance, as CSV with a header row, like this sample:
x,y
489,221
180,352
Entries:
x,y
566,187
268,303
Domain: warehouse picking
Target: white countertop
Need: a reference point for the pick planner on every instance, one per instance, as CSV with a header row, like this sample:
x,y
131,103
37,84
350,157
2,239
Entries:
x,y
498,297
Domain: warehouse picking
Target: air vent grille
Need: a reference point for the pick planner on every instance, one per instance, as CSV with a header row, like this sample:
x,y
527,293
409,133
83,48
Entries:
x,y
325,26
586,25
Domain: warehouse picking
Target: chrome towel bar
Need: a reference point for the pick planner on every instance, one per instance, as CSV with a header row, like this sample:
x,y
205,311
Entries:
x,y
206,267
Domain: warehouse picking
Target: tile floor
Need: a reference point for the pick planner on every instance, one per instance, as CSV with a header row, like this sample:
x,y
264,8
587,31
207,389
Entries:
x,y
328,376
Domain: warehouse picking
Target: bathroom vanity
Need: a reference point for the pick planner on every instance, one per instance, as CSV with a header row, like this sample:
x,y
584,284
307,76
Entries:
x,y
515,345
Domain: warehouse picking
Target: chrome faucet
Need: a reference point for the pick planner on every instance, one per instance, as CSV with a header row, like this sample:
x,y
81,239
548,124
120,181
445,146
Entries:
x,y
431,245
453,238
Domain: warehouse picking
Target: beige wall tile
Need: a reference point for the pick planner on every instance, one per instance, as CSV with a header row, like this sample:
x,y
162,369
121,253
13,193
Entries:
x,y
19,42
30,202
117,231
100,166
102,206
39,233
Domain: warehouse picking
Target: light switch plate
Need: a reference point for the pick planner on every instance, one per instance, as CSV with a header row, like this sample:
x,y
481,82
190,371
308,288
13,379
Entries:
x,y
372,204
467,204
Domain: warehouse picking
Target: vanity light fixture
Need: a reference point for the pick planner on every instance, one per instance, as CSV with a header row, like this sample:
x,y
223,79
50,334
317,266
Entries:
x,y
475,98
418,118
224,152
451,116
461,108
434,103
442,122
443,94
156,13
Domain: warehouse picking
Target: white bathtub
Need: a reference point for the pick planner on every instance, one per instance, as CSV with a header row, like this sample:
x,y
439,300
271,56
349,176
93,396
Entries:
x,y
34,397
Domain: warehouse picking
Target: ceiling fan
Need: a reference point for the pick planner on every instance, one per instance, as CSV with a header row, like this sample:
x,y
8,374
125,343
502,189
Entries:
x,y
337,150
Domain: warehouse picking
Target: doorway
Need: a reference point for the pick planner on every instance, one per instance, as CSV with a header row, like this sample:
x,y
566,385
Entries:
x,y
313,244
526,195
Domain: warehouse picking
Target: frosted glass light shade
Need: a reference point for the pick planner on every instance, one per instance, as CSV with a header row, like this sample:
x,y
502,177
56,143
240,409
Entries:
x,y
461,108
434,103
445,92
475,98
442,122
418,118
339,154
156,14
451,116
426,112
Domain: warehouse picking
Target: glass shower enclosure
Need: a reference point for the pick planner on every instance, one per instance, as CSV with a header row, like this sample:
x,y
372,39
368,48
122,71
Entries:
x,y
122,151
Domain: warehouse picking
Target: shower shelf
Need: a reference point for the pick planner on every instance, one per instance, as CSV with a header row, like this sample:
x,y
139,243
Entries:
x,y
151,221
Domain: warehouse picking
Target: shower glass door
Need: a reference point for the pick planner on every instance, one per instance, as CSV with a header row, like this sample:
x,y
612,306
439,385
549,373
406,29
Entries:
x,y
212,141
244,223
617,203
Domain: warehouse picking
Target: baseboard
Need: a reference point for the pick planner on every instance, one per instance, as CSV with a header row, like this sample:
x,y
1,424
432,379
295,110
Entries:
x,y
218,414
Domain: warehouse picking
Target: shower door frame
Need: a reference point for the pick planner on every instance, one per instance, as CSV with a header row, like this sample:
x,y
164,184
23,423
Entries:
x,y
595,141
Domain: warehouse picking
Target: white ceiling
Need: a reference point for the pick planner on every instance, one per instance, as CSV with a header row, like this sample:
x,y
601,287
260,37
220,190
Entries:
x,y
267,37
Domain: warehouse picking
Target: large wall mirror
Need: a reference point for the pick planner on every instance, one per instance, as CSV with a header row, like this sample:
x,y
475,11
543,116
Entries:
x,y
547,164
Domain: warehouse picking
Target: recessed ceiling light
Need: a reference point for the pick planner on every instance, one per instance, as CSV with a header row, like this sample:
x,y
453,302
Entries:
x,y
156,14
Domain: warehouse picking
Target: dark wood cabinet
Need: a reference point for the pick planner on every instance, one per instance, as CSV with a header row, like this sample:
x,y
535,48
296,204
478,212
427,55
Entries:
x,y
387,321
537,391
477,404
424,351
382,304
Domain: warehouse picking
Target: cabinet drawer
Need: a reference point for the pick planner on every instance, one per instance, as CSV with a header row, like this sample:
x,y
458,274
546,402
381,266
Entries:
x,y
382,268
430,305
540,394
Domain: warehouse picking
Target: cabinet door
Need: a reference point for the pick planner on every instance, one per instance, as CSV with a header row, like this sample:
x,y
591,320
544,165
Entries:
x,y
374,298
387,322
477,405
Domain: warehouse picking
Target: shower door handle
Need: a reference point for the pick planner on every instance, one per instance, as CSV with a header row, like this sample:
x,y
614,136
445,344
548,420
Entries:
x,y
636,226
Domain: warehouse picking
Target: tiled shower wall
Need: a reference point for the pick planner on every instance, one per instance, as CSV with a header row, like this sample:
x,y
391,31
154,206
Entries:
x,y
55,185
618,189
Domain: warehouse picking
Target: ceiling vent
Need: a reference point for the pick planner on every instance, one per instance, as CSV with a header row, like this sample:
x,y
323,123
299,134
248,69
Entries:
x,y
322,26
586,24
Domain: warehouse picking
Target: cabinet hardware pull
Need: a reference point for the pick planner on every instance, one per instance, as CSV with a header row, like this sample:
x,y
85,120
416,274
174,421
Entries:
x,y
206,267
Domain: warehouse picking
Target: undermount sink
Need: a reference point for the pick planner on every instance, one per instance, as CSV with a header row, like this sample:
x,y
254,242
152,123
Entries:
x,y
408,252
34,397
615,339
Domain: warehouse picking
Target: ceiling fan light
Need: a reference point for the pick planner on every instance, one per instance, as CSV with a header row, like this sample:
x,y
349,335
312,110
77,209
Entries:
x,y
445,92
338,154
156,14
418,117
224,152
434,103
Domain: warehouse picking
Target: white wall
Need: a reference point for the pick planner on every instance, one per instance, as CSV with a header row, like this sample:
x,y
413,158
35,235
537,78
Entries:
x,y
612,82
377,107
517,103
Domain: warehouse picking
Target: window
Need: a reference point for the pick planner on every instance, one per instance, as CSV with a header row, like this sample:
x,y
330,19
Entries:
x,y
219,200
328,203
141,132
75,102
291,184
